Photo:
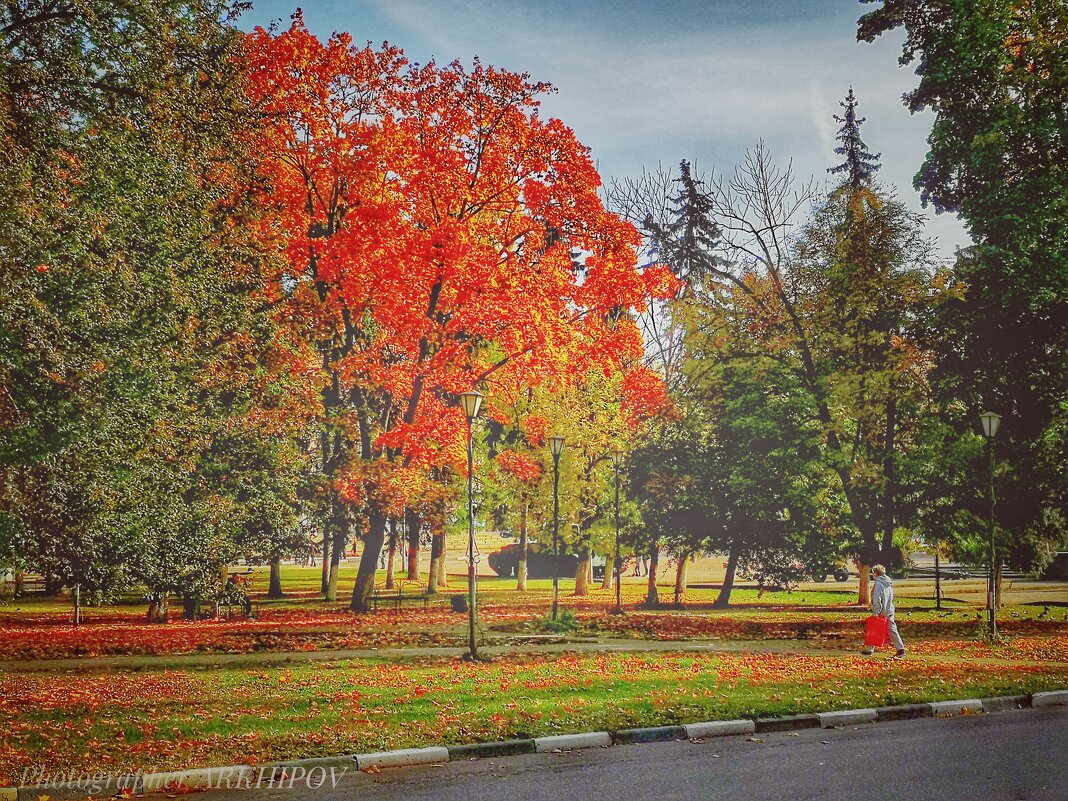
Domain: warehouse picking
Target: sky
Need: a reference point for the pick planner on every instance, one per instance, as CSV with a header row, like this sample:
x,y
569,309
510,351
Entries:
x,y
652,82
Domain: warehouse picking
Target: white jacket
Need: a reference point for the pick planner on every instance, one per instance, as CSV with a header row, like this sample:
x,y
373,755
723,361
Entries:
x,y
882,596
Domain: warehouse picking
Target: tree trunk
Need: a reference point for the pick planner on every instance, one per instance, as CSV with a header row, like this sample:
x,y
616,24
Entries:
x,y
723,600
521,567
680,578
437,558
20,583
652,597
274,589
337,550
365,574
889,498
77,604
326,563
864,593
582,572
999,585
158,608
415,528
443,573
608,581
391,558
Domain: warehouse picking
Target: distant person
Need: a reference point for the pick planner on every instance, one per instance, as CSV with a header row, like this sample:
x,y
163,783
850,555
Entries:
x,y
882,605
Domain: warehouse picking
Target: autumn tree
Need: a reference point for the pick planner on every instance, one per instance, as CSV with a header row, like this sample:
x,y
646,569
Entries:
x,y
430,218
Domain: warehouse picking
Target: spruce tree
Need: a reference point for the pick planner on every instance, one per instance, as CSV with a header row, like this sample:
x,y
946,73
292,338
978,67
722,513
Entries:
x,y
860,164
688,241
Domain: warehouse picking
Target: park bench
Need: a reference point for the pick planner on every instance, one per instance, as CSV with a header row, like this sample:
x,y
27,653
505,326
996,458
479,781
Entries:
x,y
412,592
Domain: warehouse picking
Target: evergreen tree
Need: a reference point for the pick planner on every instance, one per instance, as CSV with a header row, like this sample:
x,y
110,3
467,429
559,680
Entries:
x,y
687,243
860,164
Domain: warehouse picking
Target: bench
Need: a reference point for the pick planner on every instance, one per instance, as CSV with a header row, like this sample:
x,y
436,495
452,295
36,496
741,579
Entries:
x,y
396,598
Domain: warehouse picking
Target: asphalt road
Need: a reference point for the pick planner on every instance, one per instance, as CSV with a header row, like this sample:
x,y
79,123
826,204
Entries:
x,y
1008,756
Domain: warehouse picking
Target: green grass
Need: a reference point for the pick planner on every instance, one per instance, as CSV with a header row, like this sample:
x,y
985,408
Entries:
x,y
109,721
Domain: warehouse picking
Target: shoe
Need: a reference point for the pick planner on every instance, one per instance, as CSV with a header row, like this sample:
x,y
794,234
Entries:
x,y
900,654
867,651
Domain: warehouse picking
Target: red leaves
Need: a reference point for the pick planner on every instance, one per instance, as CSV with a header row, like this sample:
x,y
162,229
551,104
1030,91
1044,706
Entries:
x,y
433,211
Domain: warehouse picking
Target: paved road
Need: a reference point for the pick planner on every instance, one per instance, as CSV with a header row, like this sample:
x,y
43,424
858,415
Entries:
x,y
1009,756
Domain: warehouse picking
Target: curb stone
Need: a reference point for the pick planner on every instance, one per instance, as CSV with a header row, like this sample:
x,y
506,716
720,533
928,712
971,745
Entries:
x,y
196,778
99,786
968,707
788,723
1053,698
403,757
655,734
497,748
591,739
719,728
846,717
1004,703
904,712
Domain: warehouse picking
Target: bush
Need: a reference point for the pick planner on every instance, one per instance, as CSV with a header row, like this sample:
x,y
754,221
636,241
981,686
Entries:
x,y
565,623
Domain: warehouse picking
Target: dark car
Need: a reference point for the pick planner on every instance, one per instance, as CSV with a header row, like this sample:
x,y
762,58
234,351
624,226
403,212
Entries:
x,y
505,562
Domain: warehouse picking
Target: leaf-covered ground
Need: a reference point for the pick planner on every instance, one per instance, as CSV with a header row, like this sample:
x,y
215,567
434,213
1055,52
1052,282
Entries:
x,y
180,718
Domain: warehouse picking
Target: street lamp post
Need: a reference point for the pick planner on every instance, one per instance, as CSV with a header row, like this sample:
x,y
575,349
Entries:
x,y
471,403
556,447
991,422
617,463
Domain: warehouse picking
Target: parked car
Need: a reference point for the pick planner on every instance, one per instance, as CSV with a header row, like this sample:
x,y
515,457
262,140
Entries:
x,y
505,562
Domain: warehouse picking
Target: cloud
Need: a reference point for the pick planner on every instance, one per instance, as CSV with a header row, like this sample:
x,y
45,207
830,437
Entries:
x,y
643,83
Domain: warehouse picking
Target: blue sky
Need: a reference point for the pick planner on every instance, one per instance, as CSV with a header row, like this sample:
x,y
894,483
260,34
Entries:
x,y
643,83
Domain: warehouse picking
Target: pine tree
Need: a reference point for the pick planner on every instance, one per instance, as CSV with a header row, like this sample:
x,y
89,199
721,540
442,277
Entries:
x,y
688,242
860,164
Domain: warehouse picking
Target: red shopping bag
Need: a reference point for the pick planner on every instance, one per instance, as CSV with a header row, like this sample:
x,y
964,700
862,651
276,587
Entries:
x,y
876,631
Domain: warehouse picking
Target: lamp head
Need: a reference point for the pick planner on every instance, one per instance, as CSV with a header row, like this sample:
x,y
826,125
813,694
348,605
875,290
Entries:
x,y
471,402
617,458
991,422
556,445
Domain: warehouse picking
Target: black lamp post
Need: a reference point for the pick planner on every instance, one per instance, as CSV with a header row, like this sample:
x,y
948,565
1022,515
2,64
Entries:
x,y
556,447
617,463
471,402
991,422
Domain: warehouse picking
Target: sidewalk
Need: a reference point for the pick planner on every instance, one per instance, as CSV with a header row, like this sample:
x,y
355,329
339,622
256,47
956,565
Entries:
x,y
498,646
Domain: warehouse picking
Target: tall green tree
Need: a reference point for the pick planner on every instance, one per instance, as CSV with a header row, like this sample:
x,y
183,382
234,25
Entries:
x,y
130,342
994,75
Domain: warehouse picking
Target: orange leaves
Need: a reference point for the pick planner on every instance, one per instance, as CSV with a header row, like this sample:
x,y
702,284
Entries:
x,y
429,217
520,465
644,395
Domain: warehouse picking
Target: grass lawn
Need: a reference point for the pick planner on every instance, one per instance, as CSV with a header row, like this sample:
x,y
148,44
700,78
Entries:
x,y
182,718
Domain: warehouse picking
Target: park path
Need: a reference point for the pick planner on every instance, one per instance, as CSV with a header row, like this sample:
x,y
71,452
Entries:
x,y
497,647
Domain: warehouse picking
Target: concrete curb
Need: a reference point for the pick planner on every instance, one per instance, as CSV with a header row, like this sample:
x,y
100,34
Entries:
x,y
404,757
846,717
719,728
564,742
196,778
788,723
1005,703
498,748
244,776
102,786
903,712
656,734
1053,698
972,706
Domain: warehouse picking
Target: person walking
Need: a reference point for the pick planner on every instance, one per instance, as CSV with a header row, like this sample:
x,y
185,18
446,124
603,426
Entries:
x,y
882,605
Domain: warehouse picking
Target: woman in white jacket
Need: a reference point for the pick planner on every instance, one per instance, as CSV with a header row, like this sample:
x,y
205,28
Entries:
x,y
882,604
